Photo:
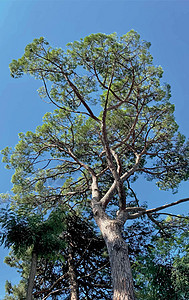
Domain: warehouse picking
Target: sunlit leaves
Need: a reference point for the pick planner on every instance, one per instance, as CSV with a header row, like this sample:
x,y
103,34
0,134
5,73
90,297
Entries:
x,y
118,75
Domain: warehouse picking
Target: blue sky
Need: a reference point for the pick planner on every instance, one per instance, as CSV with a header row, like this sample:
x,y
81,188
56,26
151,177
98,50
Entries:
x,y
163,23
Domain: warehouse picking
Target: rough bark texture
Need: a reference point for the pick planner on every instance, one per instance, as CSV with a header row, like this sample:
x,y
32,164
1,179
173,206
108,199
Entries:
x,y
73,279
120,267
31,276
118,255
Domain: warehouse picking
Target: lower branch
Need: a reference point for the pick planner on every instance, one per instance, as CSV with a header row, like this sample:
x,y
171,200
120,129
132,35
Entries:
x,y
152,210
172,215
158,224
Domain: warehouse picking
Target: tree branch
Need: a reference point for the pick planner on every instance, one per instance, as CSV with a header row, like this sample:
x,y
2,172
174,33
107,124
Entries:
x,y
158,224
61,107
152,210
74,88
166,205
172,215
110,193
95,271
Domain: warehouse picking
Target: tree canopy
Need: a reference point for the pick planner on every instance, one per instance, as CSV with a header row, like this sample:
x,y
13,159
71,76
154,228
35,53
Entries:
x,y
133,123
113,122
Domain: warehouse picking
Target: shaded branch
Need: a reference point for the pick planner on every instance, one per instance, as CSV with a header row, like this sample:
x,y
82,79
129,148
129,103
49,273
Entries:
x,y
95,271
158,224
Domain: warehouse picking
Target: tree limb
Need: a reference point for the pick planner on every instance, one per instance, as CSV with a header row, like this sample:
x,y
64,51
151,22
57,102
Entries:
x,y
74,88
110,193
152,210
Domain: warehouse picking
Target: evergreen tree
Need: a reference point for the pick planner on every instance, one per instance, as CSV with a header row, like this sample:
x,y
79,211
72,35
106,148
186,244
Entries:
x,y
88,156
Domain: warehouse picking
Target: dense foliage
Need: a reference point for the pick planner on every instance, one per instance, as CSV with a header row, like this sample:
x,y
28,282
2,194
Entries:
x,y
160,263
113,123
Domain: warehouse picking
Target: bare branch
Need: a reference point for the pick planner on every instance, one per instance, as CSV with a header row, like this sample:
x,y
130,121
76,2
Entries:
x,y
77,93
152,210
172,215
167,205
91,171
53,285
46,90
95,271
104,86
53,292
129,187
116,175
158,224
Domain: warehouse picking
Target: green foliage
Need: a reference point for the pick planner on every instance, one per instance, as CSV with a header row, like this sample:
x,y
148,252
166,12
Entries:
x,y
24,231
160,269
22,265
139,118
131,131
16,292
159,261
180,276
85,247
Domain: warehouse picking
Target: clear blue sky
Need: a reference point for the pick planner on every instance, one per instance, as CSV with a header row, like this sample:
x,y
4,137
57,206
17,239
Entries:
x,y
164,23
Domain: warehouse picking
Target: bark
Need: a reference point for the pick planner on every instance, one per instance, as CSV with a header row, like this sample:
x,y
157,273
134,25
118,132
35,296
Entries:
x,y
31,276
122,281
74,294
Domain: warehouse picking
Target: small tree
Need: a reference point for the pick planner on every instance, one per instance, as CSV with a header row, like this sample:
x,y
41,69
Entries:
x,y
70,259
99,150
30,232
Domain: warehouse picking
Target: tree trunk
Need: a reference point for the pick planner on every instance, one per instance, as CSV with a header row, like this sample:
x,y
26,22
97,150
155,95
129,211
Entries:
x,y
31,276
72,279
122,280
